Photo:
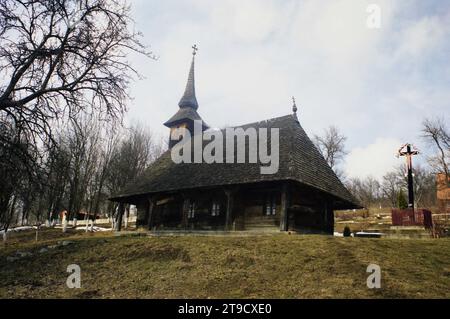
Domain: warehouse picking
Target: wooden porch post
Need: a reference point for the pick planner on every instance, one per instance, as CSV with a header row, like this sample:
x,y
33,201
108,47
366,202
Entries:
x,y
120,211
151,213
184,211
229,212
284,207
329,217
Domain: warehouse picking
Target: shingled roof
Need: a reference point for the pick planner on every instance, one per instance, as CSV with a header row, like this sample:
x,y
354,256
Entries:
x,y
299,161
183,114
189,99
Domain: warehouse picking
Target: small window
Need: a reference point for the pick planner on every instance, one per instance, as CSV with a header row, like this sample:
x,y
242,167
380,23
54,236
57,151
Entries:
x,y
191,212
271,206
215,210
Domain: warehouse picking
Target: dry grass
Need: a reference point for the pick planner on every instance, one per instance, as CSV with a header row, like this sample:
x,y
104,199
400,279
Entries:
x,y
277,266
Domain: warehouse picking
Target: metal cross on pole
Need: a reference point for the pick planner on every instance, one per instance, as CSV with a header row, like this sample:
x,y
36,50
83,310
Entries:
x,y
294,105
409,151
195,48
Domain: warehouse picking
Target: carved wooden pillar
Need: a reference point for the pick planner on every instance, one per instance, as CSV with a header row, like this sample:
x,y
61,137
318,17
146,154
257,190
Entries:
x,y
229,212
185,210
151,212
284,207
329,215
120,211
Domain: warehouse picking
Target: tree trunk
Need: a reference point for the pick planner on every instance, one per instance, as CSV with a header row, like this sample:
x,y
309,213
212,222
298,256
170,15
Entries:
x,y
13,207
64,222
23,218
37,232
86,220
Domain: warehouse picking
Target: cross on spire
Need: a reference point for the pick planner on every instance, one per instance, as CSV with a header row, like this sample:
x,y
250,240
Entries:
x,y
294,105
195,48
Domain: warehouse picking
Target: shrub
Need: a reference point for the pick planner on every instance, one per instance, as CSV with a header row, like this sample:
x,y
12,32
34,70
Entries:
x,y
347,231
402,202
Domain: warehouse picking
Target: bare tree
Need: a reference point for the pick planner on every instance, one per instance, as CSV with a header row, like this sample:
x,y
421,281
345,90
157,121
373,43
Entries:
x,y
60,58
130,159
424,184
438,135
109,144
16,172
367,190
332,146
390,187
83,144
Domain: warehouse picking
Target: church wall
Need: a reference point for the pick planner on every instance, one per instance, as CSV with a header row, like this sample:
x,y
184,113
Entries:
x,y
310,212
142,214
168,215
254,213
174,215
203,218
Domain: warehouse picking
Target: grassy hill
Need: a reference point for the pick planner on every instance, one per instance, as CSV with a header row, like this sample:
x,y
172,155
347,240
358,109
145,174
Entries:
x,y
275,266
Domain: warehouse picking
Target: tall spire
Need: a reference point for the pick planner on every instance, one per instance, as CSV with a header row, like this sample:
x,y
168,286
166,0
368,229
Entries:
x,y
189,99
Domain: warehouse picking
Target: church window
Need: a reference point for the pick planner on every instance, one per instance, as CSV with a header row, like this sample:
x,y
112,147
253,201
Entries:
x,y
215,210
191,211
271,206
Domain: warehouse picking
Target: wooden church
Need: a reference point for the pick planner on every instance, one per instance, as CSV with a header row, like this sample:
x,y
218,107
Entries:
x,y
300,197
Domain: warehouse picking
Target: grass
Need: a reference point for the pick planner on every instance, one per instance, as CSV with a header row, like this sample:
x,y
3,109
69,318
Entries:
x,y
271,266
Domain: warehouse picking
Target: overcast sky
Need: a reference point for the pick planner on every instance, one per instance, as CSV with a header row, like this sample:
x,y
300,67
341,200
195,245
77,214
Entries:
x,y
375,85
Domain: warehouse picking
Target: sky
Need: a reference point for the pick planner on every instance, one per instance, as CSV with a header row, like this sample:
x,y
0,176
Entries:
x,y
376,84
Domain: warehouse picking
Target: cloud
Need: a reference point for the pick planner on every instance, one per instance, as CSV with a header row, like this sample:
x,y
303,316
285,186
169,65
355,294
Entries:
x,y
374,160
254,55
248,21
422,37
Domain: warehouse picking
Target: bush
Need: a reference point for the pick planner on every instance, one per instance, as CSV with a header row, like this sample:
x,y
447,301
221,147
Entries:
x,y
402,202
347,231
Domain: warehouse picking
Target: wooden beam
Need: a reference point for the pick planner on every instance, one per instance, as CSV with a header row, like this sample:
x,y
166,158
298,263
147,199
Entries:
x,y
184,210
284,207
230,205
151,212
329,217
120,211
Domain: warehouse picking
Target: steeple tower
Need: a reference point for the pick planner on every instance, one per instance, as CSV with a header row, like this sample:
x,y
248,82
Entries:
x,y
188,99
188,106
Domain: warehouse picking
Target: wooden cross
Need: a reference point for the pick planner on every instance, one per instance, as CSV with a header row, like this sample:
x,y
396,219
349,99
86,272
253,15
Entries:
x,y
409,151
195,48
